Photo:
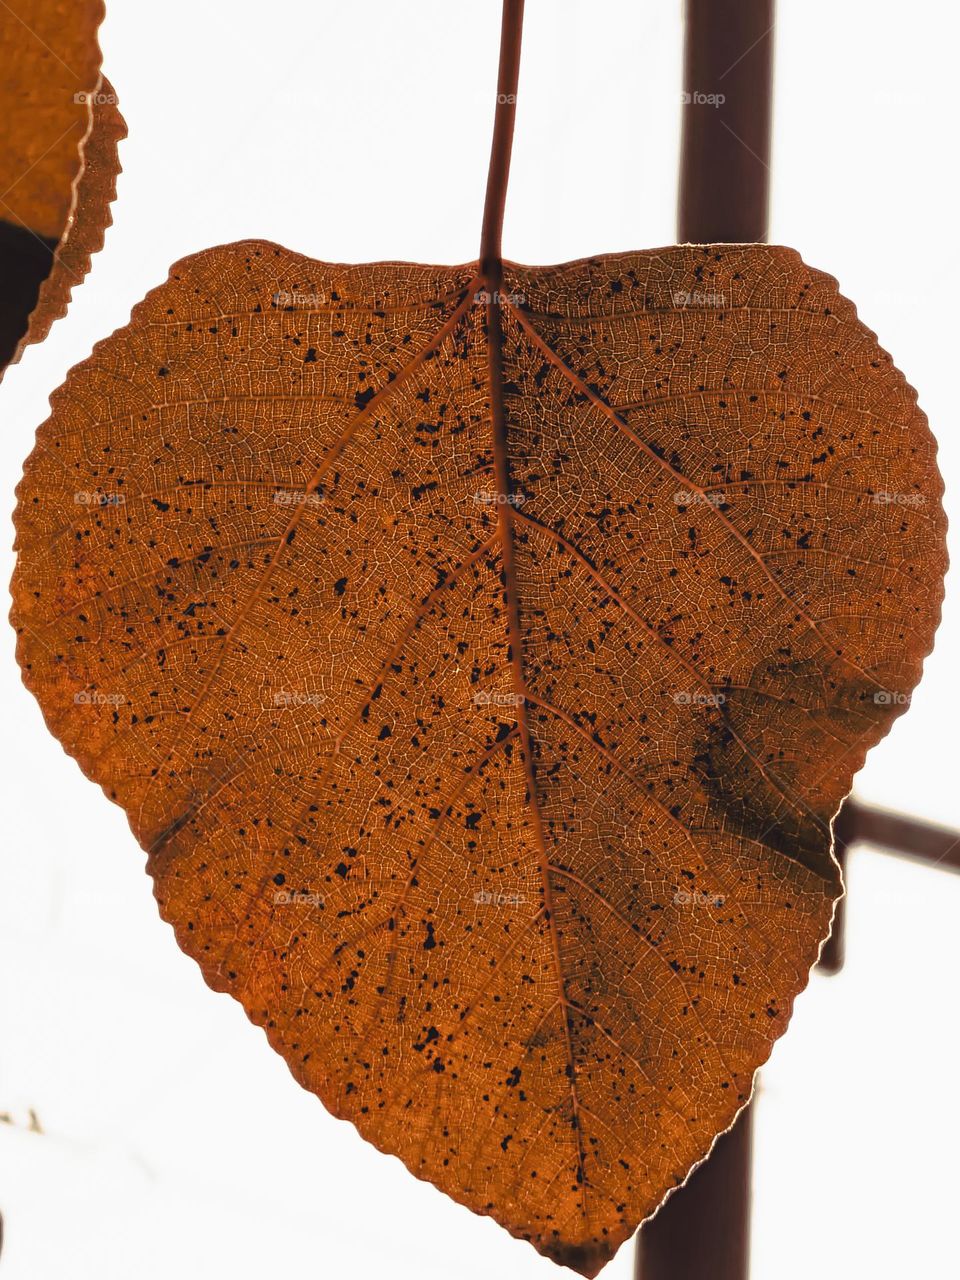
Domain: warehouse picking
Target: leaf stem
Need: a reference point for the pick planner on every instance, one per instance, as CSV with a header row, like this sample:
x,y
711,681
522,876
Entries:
x,y
511,31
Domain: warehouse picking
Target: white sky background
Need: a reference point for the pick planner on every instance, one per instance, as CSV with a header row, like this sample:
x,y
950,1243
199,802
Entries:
x,y
176,1142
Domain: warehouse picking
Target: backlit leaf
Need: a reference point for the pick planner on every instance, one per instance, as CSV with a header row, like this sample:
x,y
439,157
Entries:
x,y
59,129
481,663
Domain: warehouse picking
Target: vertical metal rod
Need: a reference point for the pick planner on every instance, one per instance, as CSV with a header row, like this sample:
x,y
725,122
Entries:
x,y
725,142
703,1231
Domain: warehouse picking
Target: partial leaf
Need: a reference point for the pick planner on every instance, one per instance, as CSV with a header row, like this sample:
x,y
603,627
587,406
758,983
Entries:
x,y
58,161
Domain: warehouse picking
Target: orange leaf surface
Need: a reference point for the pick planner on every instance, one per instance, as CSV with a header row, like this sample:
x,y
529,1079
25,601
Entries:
x,y
481,662
58,161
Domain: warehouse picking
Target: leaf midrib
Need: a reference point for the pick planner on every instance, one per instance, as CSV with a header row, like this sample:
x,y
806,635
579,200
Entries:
x,y
505,517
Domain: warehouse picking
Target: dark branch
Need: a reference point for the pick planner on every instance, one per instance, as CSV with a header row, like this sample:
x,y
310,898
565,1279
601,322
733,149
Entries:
x,y
908,837
727,95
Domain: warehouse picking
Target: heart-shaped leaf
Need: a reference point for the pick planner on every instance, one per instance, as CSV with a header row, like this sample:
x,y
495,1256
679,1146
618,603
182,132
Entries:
x,y
481,659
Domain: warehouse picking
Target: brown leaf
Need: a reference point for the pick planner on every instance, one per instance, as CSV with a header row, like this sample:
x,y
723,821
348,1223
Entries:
x,y
58,161
484,706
